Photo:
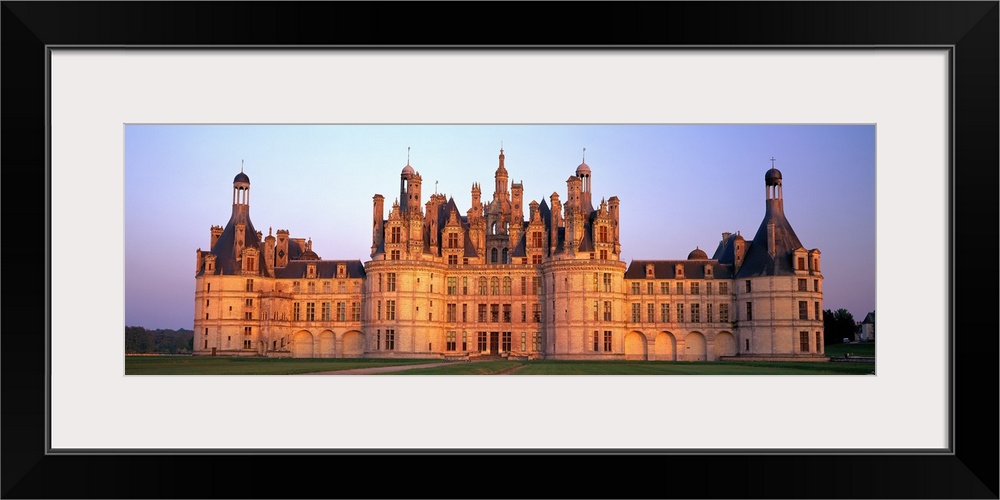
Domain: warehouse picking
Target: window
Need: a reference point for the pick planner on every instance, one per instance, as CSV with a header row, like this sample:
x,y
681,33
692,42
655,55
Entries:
x,y
607,282
310,311
649,288
597,340
664,288
390,282
603,234
355,311
390,340
723,288
650,312
465,313
325,315
635,289
524,285
394,255
804,341
506,313
506,341
802,285
695,289
296,286
481,338
708,288
208,287
452,260
452,241
696,313
536,239
311,286
819,341
803,309
523,348
465,341
493,255
249,285
815,285
536,313
494,286
636,313
816,316
296,311
708,313
465,285
680,313
247,340
607,310
452,286
536,259
524,313
482,313
494,313
326,287
482,286
607,340
449,344
390,310
749,311
452,311
604,255
596,280
597,310
394,235
665,313
801,266
341,311
536,341
506,285
536,285
680,288
747,344
747,283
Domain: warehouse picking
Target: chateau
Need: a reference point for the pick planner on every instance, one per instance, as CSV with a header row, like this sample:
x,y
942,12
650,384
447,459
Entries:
x,y
546,282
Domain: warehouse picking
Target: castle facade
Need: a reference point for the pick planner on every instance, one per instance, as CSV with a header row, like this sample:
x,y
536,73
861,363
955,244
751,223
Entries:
x,y
501,279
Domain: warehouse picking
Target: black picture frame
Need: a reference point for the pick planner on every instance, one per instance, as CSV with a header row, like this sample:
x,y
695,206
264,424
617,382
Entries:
x,y
969,28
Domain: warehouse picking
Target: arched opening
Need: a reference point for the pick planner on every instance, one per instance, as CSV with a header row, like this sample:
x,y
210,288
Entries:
x,y
353,344
694,347
635,346
725,344
326,344
302,345
665,348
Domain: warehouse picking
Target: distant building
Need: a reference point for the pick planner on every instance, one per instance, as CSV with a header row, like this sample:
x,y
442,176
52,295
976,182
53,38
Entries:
x,y
866,329
494,280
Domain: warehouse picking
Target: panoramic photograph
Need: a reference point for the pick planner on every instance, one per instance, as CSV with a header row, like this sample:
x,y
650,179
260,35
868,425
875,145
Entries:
x,y
606,249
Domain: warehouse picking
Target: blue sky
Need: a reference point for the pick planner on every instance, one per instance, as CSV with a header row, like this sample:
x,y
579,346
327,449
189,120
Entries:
x,y
680,186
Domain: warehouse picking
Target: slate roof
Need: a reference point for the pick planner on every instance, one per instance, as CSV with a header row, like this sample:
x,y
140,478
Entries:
x,y
225,252
666,269
757,261
324,269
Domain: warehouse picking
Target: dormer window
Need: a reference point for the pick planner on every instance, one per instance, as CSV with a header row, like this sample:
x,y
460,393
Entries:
x,y
679,270
708,271
341,270
311,271
650,272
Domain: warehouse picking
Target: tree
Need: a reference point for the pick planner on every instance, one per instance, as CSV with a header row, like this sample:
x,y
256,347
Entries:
x,y
838,325
137,340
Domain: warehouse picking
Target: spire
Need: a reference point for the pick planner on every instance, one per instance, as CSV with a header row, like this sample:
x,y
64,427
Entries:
x,y
241,166
407,155
584,160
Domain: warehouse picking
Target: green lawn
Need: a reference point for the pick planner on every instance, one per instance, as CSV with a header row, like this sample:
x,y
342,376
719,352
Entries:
x,y
189,365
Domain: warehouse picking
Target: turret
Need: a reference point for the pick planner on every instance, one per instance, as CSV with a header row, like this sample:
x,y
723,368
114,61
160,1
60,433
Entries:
x,y
378,223
269,251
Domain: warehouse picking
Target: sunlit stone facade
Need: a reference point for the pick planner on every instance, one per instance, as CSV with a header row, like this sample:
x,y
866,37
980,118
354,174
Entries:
x,y
502,279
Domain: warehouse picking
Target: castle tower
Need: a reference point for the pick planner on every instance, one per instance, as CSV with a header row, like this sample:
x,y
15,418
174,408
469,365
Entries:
x,y
501,179
583,173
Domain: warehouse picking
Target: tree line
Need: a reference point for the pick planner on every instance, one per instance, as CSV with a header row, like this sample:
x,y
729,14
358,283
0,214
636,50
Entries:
x,y
139,340
838,325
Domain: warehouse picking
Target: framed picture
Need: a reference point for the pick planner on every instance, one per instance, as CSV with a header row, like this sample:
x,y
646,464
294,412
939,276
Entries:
x,y
924,74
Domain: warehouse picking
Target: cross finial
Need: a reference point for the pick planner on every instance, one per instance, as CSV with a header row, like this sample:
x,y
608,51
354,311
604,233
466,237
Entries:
x,y
584,156
772,162
407,155
501,147
241,166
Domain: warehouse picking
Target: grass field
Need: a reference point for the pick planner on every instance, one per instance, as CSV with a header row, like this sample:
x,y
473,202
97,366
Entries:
x,y
189,365
186,365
